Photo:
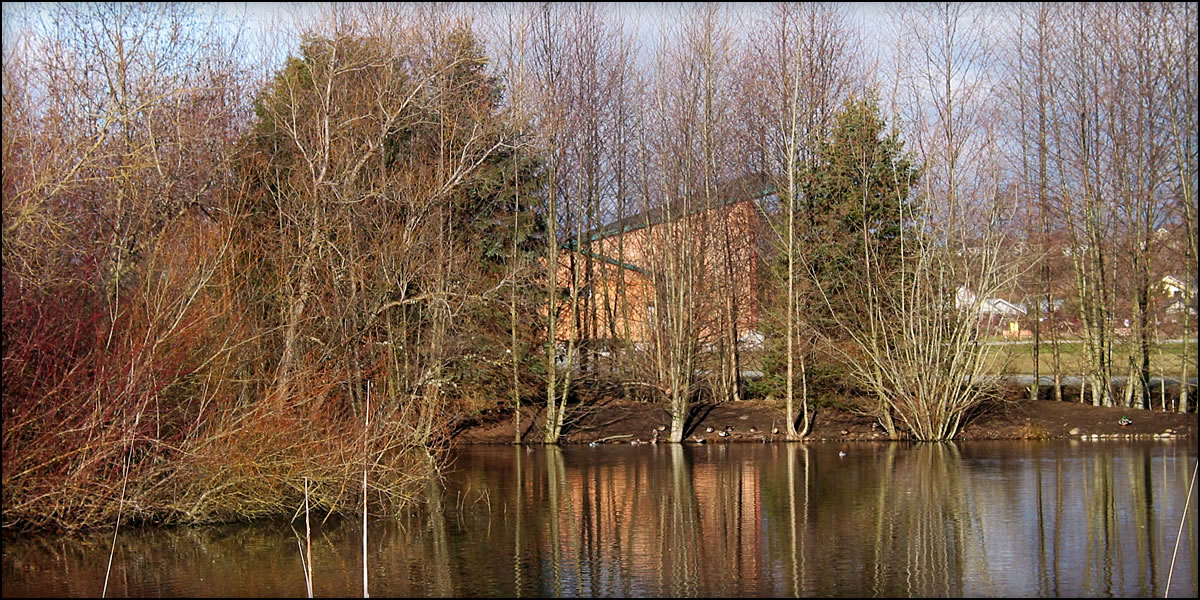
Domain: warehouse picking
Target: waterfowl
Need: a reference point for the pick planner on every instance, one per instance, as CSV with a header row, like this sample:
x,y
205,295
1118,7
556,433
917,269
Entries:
x,y
774,431
841,453
709,429
729,428
723,433
593,443
1125,421
654,437
753,429
698,439
662,427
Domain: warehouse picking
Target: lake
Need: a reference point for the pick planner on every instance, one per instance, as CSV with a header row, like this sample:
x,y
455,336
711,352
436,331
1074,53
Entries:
x,y
1004,518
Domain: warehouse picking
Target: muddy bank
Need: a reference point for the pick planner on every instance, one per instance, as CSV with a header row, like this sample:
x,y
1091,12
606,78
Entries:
x,y
620,421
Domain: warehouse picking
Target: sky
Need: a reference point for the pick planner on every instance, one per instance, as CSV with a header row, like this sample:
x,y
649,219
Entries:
x,y
646,17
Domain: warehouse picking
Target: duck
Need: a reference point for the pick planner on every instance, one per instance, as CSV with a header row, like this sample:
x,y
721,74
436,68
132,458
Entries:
x,y
593,443
753,429
723,433
841,453
654,437
708,429
1125,421
774,431
662,428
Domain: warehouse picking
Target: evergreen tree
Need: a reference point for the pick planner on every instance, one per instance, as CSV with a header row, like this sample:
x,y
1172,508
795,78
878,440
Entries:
x,y
855,205
854,201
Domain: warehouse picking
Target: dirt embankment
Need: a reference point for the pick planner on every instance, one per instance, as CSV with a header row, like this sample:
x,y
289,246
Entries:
x,y
619,421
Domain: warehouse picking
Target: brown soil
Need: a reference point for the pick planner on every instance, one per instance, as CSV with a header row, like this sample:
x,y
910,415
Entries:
x,y
619,421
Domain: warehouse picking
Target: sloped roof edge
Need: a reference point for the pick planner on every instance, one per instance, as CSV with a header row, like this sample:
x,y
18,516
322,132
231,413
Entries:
x,y
751,186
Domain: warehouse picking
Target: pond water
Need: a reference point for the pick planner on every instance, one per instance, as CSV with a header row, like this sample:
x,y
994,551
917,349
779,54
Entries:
x,y
1060,518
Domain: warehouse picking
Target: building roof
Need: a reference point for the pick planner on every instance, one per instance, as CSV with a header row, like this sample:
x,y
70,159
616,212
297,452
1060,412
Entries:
x,y
752,186
1000,306
1179,284
965,299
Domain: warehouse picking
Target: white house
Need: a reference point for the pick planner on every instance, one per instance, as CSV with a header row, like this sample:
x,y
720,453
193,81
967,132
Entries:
x,y
1173,285
997,312
965,299
1000,307
1179,295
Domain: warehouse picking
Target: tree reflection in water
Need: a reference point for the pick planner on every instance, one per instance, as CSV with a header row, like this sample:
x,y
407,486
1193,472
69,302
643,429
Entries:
x,y
795,519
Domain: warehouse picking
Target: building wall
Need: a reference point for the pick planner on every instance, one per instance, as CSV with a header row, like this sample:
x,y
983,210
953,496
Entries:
x,y
717,245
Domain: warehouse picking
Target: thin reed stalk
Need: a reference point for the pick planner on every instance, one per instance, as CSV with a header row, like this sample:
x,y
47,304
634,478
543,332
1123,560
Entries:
x,y
303,565
120,508
1171,571
366,439
307,542
116,528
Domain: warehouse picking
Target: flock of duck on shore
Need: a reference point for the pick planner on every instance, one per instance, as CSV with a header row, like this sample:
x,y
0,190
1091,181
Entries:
x,y
721,433
696,438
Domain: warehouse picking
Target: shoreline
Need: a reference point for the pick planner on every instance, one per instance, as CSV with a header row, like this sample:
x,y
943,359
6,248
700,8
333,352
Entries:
x,y
616,421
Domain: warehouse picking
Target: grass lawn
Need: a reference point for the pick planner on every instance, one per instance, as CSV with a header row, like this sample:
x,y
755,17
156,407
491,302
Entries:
x,y
1017,358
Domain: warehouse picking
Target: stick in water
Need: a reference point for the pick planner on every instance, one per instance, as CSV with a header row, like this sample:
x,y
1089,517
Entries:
x,y
115,529
303,565
120,507
366,434
307,542
1180,534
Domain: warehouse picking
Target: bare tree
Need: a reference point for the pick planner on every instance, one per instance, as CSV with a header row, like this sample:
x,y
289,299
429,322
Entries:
x,y
386,194
574,54
794,75
1179,58
1137,123
919,314
1110,133
1031,62
1080,158
686,161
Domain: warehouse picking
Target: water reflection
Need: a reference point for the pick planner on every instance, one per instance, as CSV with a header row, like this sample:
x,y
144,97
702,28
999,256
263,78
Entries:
x,y
973,519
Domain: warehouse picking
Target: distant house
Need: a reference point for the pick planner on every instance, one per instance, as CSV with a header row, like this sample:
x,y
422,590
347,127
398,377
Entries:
x,y
964,298
1175,287
995,314
1046,306
1001,308
1180,295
